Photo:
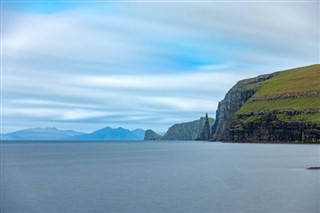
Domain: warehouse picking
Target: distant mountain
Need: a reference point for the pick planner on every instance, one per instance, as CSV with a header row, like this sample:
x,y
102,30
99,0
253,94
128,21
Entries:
x,y
49,133
139,133
150,135
110,134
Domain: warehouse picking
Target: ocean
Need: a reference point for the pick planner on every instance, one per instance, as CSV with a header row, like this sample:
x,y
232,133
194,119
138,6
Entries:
x,y
171,176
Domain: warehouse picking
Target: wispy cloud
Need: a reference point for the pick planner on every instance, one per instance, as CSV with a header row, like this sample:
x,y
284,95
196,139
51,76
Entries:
x,y
88,65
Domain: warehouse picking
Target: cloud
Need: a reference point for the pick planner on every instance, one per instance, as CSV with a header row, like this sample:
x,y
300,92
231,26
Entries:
x,y
68,98
146,65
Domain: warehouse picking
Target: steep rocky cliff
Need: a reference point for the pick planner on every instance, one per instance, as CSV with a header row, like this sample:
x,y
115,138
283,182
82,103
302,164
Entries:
x,y
232,102
278,107
150,135
187,131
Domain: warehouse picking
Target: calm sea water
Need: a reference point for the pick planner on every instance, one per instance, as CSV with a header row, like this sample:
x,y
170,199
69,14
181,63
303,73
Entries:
x,y
159,177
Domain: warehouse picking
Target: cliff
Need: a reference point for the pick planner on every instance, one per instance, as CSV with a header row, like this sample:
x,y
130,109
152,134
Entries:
x,y
150,135
187,131
278,107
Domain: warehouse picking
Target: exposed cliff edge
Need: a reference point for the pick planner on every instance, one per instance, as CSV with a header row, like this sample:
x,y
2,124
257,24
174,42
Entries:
x,y
278,107
232,102
150,135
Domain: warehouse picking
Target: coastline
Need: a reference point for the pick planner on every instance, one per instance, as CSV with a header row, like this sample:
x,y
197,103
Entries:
x,y
154,141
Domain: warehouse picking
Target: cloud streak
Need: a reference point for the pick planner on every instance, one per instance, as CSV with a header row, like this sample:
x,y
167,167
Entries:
x,y
147,65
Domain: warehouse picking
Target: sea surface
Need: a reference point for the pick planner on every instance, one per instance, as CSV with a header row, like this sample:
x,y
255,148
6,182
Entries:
x,y
143,177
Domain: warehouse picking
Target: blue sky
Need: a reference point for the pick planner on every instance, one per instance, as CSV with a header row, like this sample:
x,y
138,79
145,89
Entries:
x,y
85,65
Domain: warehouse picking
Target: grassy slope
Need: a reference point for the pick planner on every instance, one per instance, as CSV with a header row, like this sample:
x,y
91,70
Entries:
x,y
304,79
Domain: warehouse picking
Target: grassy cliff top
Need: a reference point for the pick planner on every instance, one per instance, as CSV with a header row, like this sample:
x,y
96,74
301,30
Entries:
x,y
303,79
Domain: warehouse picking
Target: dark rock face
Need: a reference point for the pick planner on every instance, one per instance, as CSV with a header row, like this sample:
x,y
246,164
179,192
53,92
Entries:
x,y
269,129
232,102
150,135
205,133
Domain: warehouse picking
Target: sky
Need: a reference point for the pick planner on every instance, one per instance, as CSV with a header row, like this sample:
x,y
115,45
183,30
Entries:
x,y
85,65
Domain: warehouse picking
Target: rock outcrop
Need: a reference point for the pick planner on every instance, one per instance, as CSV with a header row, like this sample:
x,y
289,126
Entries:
x,y
150,135
278,107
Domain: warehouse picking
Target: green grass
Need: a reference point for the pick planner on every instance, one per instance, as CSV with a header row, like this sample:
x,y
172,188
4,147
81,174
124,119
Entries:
x,y
300,117
293,104
284,117
302,79
252,118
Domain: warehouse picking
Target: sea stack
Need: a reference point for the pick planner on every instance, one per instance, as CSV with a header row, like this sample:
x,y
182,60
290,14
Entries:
x,y
205,132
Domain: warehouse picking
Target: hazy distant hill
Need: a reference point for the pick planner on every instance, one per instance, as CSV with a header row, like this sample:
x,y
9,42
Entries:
x,y
108,133
281,107
150,135
183,131
50,133
187,131
139,133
